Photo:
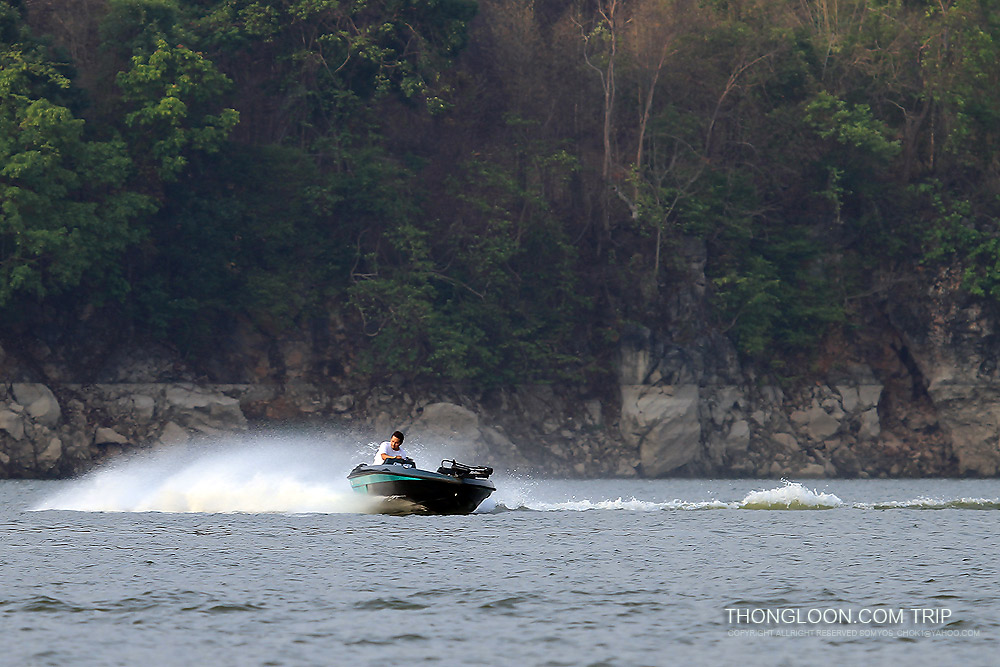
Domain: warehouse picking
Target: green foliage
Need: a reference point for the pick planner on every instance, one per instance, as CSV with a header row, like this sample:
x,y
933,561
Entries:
x,y
963,233
777,285
253,232
451,186
751,296
488,294
778,298
326,48
172,94
65,213
963,78
396,303
854,156
852,127
10,24
133,27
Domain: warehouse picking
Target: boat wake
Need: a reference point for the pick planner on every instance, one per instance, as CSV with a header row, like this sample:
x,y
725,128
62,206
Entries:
x,y
789,496
307,474
934,504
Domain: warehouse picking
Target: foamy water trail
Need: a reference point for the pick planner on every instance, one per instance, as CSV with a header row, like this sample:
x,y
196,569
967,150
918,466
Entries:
x,y
295,474
934,504
789,496
631,504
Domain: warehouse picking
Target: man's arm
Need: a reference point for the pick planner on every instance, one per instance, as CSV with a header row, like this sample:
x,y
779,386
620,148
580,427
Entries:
x,y
386,453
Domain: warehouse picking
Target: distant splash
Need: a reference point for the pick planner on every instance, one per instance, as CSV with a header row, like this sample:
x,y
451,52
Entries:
x,y
792,496
306,473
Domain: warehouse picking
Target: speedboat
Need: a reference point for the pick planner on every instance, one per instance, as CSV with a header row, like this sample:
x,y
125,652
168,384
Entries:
x,y
455,488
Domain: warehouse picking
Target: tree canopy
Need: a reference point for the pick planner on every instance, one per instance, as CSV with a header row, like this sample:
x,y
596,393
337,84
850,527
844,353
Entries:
x,y
491,192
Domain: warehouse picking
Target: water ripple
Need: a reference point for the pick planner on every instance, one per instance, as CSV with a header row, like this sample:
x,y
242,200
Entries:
x,y
388,603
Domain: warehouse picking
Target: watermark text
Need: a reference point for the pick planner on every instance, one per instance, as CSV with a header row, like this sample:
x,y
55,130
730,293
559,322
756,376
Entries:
x,y
835,615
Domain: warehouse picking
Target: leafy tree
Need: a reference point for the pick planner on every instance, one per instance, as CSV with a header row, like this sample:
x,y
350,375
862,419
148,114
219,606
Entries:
x,y
854,155
258,233
133,27
962,76
320,63
954,200
488,293
172,96
490,212
66,212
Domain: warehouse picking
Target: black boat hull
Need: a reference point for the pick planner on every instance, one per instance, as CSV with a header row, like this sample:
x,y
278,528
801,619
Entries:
x,y
429,492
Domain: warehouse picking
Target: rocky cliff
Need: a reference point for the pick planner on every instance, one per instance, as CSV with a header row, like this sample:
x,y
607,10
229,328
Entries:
x,y
913,393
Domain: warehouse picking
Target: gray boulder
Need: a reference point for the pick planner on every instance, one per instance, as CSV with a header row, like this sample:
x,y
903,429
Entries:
x,y
39,402
662,423
12,423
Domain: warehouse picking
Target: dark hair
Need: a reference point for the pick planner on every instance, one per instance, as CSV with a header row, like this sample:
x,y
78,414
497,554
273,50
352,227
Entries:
x,y
398,434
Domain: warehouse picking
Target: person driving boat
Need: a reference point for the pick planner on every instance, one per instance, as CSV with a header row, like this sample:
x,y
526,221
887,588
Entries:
x,y
391,449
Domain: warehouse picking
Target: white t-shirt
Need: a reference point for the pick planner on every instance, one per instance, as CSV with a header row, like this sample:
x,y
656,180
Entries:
x,y
386,448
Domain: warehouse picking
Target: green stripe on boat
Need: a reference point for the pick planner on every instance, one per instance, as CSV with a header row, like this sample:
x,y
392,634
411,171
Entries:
x,y
375,479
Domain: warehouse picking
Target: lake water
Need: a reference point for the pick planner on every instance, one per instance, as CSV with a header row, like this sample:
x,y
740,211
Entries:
x,y
257,553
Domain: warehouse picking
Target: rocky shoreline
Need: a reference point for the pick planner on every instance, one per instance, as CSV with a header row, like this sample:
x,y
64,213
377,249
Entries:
x,y
916,393
672,416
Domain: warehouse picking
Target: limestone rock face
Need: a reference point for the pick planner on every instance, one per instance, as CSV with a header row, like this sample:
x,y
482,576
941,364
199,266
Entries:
x,y
142,407
449,420
951,339
51,453
39,437
869,427
662,422
971,414
204,409
816,422
738,439
172,434
690,410
453,426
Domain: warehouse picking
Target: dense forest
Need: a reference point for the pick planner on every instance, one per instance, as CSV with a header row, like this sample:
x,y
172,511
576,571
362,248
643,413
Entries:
x,y
492,191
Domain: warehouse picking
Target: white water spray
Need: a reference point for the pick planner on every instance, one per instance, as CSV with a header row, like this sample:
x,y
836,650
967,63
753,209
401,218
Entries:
x,y
274,473
791,496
